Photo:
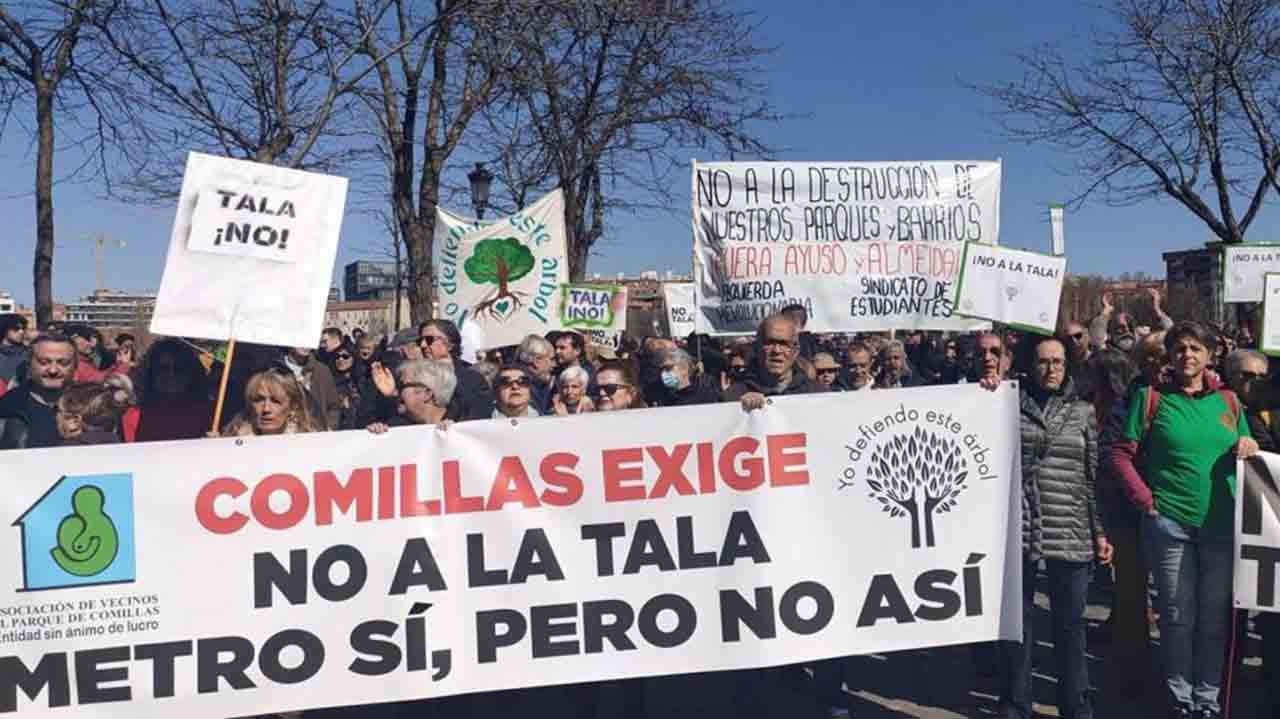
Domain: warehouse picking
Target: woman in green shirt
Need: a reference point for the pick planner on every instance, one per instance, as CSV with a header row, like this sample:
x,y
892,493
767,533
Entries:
x,y
1188,433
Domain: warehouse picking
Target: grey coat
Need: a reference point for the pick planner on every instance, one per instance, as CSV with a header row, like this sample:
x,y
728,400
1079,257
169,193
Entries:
x,y
1059,469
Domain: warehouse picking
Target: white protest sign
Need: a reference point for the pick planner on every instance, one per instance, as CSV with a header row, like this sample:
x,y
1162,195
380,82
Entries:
x,y
1014,287
1270,340
244,577
503,274
604,338
593,306
771,234
1244,268
680,312
1057,241
1257,535
258,269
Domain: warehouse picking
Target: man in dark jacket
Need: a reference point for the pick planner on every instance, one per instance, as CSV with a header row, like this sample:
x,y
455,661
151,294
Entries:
x,y
681,387
473,398
774,373
13,353
29,411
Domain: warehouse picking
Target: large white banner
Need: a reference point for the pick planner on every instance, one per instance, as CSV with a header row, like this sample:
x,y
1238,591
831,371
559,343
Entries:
x,y
252,253
238,577
1269,342
1015,287
1257,545
503,275
861,245
1245,267
680,309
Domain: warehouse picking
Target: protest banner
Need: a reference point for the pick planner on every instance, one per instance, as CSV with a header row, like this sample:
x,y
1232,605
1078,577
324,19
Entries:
x,y
862,246
252,253
241,577
1270,340
1244,267
504,274
1015,287
604,338
1257,535
680,313
593,306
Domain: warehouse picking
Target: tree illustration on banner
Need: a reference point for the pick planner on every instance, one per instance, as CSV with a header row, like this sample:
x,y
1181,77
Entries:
x,y
917,475
500,261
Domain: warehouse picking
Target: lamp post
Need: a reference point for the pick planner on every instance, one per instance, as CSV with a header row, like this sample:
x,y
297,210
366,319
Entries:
x,y
481,180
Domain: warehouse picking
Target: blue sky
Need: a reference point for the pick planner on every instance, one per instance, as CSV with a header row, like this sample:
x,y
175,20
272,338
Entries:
x,y
868,80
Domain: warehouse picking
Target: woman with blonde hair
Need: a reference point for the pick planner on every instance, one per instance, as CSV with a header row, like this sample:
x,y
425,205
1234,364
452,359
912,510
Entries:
x,y
274,404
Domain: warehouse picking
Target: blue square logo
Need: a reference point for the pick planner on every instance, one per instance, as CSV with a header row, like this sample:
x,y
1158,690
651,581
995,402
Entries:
x,y
80,533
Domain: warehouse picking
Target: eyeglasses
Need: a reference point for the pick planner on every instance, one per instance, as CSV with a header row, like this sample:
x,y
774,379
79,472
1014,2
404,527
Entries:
x,y
415,386
1251,376
1077,336
343,356
776,343
504,382
993,351
428,340
609,390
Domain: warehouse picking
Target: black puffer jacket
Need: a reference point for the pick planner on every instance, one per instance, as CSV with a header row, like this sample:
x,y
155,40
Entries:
x,y
1059,469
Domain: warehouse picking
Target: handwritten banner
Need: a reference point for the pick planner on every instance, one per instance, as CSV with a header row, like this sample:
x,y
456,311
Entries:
x,y
767,235
593,306
1018,288
252,252
242,577
1244,268
505,274
680,308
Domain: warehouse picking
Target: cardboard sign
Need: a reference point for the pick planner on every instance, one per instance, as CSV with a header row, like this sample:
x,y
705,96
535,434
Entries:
x,y
1014,287
244,577
771,234
505,274
593,306
252,253
1244,267
680,312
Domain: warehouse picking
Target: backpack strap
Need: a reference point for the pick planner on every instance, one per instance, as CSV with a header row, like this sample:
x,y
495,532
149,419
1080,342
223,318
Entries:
x,y
1153,406
1233,404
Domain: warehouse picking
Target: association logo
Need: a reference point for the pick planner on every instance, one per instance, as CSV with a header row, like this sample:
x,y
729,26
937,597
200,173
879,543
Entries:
x,y
917,475
79,533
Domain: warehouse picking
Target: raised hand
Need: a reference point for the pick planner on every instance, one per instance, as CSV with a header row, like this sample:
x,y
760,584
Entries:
x,y
383,379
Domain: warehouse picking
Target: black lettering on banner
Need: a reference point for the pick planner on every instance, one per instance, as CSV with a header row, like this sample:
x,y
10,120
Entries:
x,y
1259,486
211,666
269,573
546,630
357,573
595,630
603,535
884,601
648,548
742,541
50,674
935,587
686,621
372,638
536,557
312,656
758,617
689,557
488,638
91,675
163,657
1266,557
477,574
789,609
417,567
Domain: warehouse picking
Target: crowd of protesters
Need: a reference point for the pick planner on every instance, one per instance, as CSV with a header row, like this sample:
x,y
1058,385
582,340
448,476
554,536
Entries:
x,y
1127,439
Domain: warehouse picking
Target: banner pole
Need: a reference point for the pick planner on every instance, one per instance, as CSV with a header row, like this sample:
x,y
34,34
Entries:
x,y
222,385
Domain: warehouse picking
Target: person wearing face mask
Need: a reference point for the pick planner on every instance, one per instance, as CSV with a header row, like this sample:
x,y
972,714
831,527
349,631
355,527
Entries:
x,y
680,386
1061,526
28,412
1188,431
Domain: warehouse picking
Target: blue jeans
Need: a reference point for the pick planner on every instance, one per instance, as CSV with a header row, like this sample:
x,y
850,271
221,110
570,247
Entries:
x,y
1192,571
1068,597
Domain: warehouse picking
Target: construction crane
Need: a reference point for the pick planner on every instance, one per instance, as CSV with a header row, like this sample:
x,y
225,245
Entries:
x,y
100,244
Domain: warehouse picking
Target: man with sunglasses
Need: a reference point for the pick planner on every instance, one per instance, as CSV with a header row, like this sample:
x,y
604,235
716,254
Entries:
x,y
827,372
441,340
512,388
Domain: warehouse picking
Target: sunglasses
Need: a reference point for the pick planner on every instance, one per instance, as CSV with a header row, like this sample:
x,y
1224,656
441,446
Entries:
x,y
609,390
1077,336
343,356
428,340
504,382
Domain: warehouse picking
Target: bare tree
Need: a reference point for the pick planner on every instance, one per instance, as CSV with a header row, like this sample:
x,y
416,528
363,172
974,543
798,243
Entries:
x,y
441,66
1180,102
264,80
40,48
616,92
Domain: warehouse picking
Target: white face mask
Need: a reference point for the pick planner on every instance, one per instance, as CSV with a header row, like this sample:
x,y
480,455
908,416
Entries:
x,y
670,380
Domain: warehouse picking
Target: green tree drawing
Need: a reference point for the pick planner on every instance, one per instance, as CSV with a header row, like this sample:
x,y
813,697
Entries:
x,y
500,261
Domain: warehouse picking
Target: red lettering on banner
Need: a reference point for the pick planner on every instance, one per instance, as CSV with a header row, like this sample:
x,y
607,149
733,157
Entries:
x,y
787,467
670,471
454,502
331,492
207,515
623,465
299,501
410,505
511,485
554,470
706,468
752,475
386,492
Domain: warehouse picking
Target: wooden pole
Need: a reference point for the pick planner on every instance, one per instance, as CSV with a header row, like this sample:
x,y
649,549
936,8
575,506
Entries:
x,y
222,386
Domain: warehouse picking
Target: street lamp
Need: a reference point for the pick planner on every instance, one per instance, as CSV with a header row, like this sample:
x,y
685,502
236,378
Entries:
x,y
480,179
